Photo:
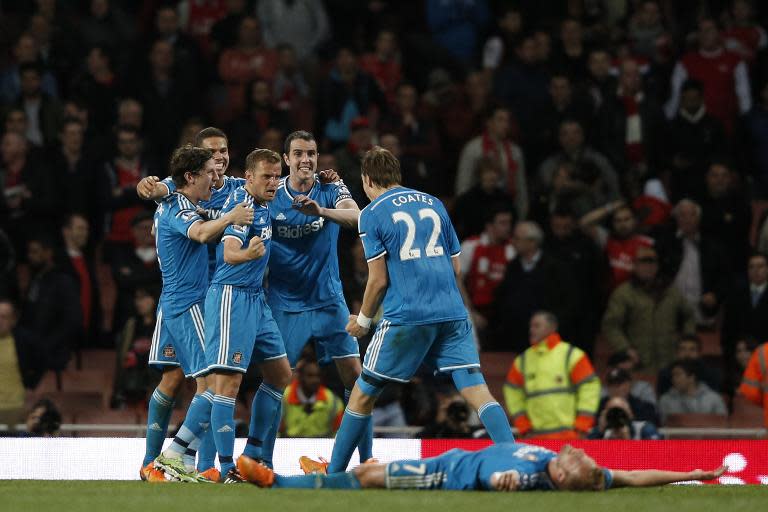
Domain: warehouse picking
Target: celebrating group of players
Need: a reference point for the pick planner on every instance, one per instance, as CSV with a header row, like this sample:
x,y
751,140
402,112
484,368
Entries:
x,y
216,236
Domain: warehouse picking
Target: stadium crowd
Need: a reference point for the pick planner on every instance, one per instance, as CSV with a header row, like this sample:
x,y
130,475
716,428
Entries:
x,y
605,163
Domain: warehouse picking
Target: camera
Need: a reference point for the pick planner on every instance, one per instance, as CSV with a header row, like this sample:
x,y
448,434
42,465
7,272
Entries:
x,y
616,418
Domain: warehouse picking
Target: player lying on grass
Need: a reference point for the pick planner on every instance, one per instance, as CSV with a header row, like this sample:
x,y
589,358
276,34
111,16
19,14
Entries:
x,y
500,467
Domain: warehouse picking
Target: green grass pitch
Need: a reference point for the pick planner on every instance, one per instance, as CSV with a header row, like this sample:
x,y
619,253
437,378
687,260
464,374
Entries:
x,y
76,496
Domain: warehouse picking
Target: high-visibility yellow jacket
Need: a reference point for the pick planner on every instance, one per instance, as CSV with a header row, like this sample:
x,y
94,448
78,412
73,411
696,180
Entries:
x,y
552,390
754,384
320,418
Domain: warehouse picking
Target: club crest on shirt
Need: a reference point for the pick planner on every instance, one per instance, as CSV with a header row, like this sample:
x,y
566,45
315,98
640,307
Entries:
x,y
169,351
237,357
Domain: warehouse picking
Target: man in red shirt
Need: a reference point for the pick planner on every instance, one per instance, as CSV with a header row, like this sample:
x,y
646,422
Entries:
x,y
75,233
484,259
621,246
724,74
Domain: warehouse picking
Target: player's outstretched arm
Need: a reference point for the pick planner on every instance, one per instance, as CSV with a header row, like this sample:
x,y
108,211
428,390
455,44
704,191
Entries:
x,y
345,214
204,232
235,253
151,188
652,477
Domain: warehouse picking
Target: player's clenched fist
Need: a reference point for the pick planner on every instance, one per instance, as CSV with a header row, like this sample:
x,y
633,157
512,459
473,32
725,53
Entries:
x,y
146,187
257,248
505,481
242,214
355,329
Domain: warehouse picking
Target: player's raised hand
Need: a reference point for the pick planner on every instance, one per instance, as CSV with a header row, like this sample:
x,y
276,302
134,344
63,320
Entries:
x,y
307,206
355,329
146,187
328,176
257,248
242,214
700,474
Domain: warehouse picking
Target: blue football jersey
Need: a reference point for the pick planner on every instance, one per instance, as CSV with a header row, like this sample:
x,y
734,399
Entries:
x,y
249,274
412,231
473,470
304,267
213,207
183,262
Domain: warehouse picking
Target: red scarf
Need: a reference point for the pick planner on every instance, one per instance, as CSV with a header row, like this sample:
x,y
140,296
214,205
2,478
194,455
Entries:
x,y
491,149
633,142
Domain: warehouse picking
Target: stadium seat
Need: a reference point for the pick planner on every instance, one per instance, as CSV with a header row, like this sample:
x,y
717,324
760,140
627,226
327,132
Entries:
x,y
710,343
746,414
696,420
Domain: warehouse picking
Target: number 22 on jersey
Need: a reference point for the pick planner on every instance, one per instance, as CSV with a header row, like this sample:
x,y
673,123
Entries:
x,y
407,251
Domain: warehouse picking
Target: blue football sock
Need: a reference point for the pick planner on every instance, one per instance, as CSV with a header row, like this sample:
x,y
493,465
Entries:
x,y
195,424
332,481
158,416
266,404
365,447
206,455
353,428
268,446
496,422
223,428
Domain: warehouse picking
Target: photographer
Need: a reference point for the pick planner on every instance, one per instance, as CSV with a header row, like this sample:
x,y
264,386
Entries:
x,y
453,422
616,422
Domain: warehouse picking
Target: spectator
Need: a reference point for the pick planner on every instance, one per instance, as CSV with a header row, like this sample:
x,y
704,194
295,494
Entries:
x,y
301,23
689,349
99,86
754,142
248,60
168,92
106,25
581,259
571,54
118,179
134,266
17,371
456,25
646,316
616,421
744,36
80,263
224,31
631,125
688,395
533,280
28,199
737,365
418,138
185,49
76,171
484,259
618,384
724,75
51,310
470,208
753,385
621,245
726,215
290,90
645,29
197,17
452,420
346,93
590,167
551,391
495,143
383,63
695,262
43,420
44,112
25,51
640,389
361,139
499,47
133,377
694,138
745,313
309,408
259,115
601,82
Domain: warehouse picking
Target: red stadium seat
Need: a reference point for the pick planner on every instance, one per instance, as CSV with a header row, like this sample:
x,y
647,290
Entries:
x,y
746,414
696,420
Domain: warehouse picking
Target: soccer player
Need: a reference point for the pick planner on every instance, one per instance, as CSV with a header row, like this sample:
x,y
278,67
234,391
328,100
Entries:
x,y
152,187
413,268
239,322
500,467
305,292
177,342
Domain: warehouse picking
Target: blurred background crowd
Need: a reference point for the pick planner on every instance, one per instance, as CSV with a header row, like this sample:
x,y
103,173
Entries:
x,y
604,161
